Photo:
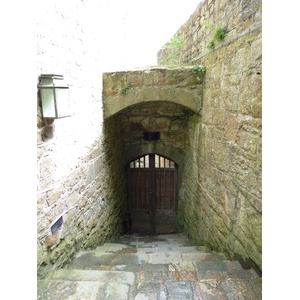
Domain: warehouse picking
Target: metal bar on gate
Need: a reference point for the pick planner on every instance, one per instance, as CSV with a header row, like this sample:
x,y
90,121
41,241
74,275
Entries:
x,y
165,183
159,183
152,191
139,186
169,185
145,199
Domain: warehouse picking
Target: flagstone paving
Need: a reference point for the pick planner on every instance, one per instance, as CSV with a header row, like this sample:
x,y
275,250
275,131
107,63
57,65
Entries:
x,y
137,267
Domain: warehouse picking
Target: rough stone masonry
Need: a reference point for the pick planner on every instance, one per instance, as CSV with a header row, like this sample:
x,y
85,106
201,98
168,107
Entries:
x,y
222,183
80,160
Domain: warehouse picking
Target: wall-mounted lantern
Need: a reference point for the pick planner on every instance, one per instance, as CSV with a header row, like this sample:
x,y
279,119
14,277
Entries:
x,y
54,96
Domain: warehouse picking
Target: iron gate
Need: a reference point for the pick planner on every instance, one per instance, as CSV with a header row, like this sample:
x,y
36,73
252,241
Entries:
x,y
152,194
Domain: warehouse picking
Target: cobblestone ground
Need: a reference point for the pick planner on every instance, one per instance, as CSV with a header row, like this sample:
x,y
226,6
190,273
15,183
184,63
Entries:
x,y
151,267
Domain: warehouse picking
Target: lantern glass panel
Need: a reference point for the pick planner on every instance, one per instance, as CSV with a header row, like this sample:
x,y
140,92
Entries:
x,y
62,102
48,105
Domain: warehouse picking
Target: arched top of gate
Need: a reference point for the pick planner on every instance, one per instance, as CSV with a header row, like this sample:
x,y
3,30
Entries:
x,y
122,90
142,161
170,153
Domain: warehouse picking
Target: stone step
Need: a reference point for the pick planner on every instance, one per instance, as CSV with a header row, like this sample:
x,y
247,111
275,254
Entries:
x,y
207,265
94,259
95,284
86,284
136,268
93,275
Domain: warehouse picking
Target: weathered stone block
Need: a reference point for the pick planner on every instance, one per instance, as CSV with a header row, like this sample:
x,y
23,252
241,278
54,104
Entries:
x,y
251,95
110,93
231,127
73,178
219,116
167,93
114,81
253,253
45,165
54,195
72,199
98,166
90,174
228,202
255,184
174,76
135,79
148,78
222,156
45,184
158,78
149,94
249,143
156,124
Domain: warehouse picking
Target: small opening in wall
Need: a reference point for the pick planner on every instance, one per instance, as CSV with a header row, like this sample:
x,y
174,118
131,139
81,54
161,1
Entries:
x,y
57,224
151,135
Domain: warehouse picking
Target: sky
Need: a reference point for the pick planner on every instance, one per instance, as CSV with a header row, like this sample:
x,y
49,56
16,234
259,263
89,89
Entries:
x,y
136,30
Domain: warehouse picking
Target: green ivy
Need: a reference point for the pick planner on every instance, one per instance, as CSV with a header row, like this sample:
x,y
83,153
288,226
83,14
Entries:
x,y
211,44
201,69
175,46
220,33
126,88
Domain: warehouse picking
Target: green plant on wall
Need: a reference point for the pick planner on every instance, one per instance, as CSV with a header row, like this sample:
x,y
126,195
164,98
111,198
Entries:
x,y
211,44
126,88
174,46
219,35
201,70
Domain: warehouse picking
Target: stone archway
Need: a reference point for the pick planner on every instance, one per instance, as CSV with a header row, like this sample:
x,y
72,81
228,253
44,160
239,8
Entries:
x,y
177,85
124,132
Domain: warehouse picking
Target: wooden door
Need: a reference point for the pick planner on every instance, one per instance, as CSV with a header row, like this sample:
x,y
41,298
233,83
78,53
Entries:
x,y
152,194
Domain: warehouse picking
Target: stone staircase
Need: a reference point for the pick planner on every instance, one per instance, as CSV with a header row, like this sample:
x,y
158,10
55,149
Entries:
x,y
151,267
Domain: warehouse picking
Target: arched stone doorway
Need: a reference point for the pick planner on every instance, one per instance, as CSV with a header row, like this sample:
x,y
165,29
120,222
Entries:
x,y
152,194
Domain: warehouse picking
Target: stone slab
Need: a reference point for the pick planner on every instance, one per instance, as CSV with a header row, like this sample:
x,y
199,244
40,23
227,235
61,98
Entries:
x,y
114,291
241,289
65,289
194,257
209,289
111,247
180,290
150,290
94,260
165,257
92,275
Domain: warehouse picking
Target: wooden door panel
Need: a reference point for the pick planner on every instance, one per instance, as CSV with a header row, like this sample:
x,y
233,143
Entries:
x,y
152,194
139,189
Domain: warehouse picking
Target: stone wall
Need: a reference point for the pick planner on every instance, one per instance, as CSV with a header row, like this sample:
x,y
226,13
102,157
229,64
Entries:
x,y
75,177
222,183
238,16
